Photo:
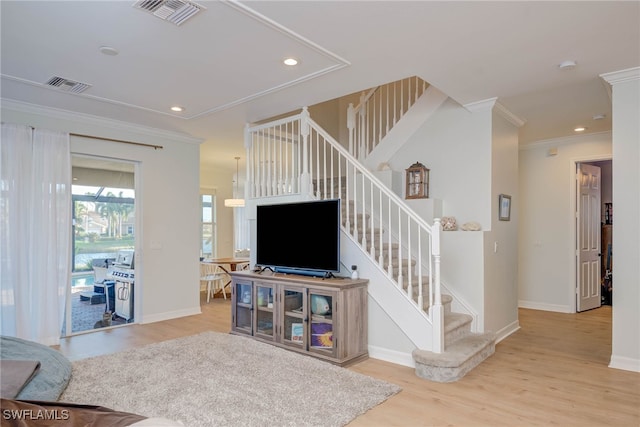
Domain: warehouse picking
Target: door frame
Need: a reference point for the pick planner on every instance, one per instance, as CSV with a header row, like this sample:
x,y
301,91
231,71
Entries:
x,y
138,240
573,225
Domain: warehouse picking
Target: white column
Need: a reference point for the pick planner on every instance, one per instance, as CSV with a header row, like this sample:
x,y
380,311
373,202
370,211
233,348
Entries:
x,y
625,87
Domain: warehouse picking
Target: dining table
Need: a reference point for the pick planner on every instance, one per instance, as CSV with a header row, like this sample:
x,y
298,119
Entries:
x,y
228,264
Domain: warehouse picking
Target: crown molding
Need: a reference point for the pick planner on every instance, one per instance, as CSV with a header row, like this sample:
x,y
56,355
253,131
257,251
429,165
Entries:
x,y
485,104
491,103
621,76
509,116
88,119
564,140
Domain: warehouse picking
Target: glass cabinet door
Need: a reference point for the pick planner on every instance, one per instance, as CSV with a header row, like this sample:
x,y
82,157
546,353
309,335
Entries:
x,y
293,318
264,311
321,310
243,307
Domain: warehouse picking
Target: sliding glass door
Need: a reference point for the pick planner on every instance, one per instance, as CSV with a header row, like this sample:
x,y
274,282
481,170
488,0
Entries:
x,y
101,290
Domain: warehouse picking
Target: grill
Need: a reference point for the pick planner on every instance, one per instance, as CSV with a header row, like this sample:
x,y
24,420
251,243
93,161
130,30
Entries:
x,y
123,273
122,268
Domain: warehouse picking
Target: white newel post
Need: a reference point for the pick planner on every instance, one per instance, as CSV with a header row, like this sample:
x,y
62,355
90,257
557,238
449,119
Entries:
x,y
305,177
437,311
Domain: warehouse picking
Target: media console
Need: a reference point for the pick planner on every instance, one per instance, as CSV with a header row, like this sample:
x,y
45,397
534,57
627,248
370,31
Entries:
x,y
324,318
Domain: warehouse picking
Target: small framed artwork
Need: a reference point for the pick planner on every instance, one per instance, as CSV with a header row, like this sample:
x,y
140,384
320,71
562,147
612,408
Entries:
x,y
504,213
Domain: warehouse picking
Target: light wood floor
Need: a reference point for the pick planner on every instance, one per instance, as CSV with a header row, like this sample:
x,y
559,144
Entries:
x,y
553,371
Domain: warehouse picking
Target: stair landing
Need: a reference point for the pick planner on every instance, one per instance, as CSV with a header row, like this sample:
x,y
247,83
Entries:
x,y
459,357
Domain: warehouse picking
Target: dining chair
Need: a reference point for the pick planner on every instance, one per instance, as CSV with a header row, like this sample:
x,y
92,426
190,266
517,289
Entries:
x,y
213,275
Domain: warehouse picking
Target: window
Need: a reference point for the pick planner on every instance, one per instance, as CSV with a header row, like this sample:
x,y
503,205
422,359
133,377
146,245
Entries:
x,y
208,245
103,219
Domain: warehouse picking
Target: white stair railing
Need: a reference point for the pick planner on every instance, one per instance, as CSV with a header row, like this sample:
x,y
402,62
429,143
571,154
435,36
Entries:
x,y
378,111
295,155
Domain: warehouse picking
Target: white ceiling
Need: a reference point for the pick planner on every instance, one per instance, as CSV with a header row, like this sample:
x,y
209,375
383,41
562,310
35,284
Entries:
x,y
224,65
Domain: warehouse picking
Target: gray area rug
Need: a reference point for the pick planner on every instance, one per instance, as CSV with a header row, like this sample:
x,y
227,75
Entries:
x,y
215,379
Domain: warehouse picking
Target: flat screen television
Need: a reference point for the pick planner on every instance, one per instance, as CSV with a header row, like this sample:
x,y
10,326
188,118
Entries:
x,y
301,237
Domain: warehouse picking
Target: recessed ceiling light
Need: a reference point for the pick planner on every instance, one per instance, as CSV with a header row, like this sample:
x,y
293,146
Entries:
x,y
580,129
108,50
177,108
290,61
599,116
567,65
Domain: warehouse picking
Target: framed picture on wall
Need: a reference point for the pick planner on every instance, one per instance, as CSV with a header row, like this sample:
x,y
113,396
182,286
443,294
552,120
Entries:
x,y
504,210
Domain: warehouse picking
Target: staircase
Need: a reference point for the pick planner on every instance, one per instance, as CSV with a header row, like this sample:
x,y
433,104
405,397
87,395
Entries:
x,y
294,157
464,350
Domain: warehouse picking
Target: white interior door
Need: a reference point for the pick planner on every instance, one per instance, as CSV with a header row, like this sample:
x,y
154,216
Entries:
x,y
588,244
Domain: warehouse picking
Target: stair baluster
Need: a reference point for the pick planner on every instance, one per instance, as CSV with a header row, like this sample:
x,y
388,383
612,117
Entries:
x,y
372,119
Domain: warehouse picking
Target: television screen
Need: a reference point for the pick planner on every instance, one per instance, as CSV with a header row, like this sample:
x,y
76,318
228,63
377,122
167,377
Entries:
x,y
301,237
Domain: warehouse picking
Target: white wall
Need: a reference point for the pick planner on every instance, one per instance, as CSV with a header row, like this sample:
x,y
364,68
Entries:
x,y
501,241
167,209
462,273
455,145
626,219
546,248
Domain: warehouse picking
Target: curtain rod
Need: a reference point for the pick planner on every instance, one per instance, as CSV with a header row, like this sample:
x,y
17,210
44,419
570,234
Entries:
x,y
155,147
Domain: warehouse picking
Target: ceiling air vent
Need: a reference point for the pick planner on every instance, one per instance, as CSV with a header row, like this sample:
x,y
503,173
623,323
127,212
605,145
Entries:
x,y
175,11
67,85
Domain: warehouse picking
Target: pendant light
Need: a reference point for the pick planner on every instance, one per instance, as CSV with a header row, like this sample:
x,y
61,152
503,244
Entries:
x,y
235,203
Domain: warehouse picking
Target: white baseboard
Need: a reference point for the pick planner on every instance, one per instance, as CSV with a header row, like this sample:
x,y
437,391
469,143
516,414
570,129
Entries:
x,y
544,307
393,356
151,318
625,363
507,330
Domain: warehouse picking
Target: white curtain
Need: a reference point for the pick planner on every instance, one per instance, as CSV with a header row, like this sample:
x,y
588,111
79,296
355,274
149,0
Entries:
x,y
35,222
241,233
